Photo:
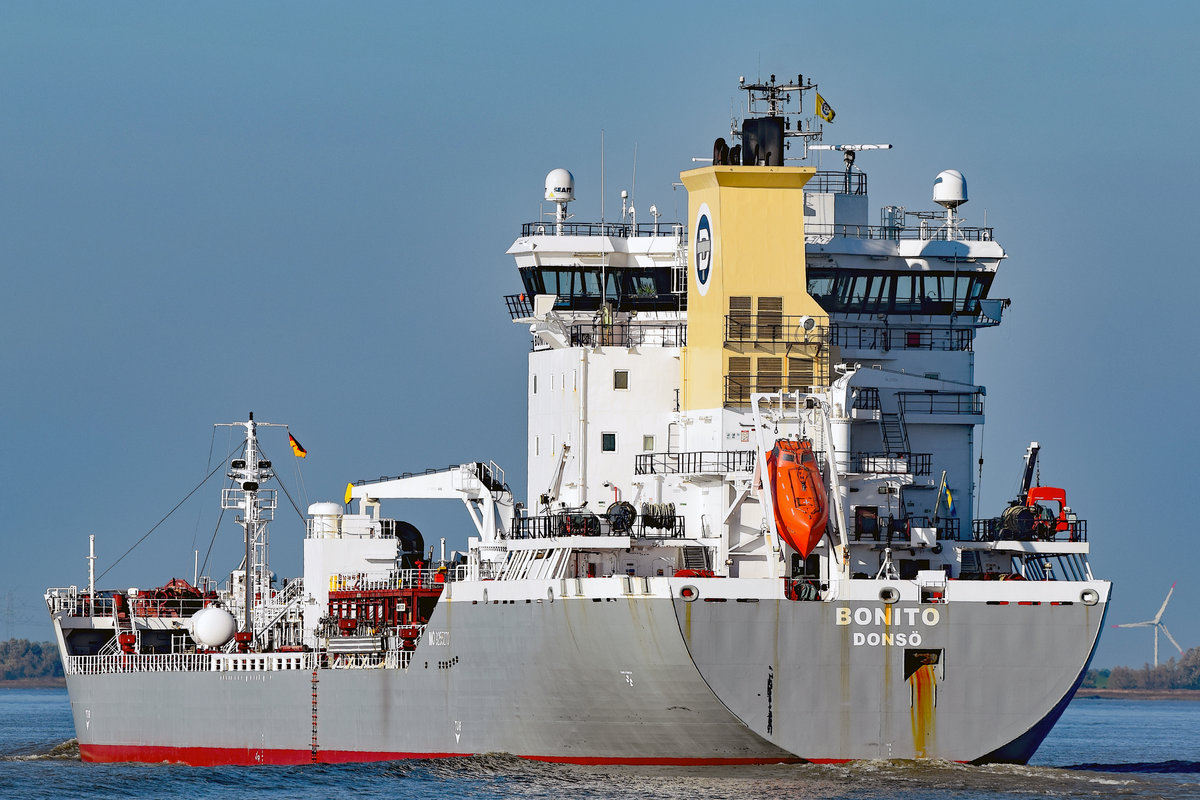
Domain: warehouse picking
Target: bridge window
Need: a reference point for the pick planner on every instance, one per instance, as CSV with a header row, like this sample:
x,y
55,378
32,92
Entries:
x,y
870,292
578,288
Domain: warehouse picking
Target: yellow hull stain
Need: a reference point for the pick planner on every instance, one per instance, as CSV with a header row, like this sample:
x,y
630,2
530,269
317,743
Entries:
x,y
923,684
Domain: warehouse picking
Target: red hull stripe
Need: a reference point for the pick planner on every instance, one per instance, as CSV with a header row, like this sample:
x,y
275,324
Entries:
x,y
222,756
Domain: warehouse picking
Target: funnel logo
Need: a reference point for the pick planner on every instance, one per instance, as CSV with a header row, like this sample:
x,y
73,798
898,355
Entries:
x,y
702,255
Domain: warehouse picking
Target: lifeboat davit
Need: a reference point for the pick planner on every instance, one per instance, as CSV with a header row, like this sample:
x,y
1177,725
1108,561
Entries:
x,y
801,507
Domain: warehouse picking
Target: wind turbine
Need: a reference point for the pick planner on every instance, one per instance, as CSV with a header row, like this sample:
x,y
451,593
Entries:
x,y
1157,623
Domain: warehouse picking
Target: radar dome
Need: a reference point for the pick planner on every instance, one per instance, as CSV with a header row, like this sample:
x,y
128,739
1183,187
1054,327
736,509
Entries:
x,y
950,188
560,186
213,627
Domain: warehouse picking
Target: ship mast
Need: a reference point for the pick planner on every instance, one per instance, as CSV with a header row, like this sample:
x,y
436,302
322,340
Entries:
x,y
257,507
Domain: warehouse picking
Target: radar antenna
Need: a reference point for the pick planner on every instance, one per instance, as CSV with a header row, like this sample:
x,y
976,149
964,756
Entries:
x,y
776,97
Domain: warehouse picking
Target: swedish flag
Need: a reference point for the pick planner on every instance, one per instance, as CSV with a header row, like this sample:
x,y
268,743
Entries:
x,y
824,110
950,503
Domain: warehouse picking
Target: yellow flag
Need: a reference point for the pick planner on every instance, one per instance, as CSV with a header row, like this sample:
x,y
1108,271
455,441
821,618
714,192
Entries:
x,y
824,110
349,491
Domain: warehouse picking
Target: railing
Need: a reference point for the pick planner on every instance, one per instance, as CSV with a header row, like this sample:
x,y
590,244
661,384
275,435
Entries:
x,y
157,607
827,182
128,663
1035,530
891,463
630,334
618,229
69,600
864,399
774,328
738,388
941,402
867,399
877,338
961,233
261,662
384,478
646,526
397,579
720,462
896,529
520,306
124,663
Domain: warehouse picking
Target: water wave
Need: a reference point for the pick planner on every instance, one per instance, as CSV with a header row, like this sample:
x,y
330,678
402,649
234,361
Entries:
x,y
68,750
1174,766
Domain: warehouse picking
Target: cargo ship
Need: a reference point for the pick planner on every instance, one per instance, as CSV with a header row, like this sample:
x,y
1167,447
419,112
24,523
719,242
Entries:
x,y
750,532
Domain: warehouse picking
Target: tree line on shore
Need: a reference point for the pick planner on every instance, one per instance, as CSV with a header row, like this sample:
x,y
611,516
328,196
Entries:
x,y
1181,673
21,658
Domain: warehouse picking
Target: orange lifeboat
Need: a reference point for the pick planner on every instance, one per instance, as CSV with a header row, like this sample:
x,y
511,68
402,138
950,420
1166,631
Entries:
x,y
801,507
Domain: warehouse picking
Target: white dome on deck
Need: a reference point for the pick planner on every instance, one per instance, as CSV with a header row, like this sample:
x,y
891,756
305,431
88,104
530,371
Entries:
x,y
560,186
213,627
950,188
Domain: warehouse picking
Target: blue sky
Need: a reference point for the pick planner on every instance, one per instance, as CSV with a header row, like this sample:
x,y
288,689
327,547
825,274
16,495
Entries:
x,y
302,209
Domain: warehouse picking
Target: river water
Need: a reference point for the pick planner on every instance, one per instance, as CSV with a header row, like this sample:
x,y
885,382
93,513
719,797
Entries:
x,y
1100,748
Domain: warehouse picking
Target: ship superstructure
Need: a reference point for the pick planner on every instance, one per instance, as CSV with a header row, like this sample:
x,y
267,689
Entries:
x,y
748,537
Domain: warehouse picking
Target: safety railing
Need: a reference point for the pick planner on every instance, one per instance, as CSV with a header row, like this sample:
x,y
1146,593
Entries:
x,y
891,463
941,402
618,229
1030,529
630,334
960,233
125,663
739,388
839,182
660,525
76,604
696,462
897,530
396,579
769,327
869,337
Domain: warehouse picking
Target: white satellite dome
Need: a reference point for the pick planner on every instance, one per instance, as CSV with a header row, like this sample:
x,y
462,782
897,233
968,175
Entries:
x,y
950,188
213,627
560,186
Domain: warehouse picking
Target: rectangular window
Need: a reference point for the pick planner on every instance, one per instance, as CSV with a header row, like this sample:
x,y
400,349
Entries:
x,y
905,301
608,442
535,384
648,444
591,283
821,288
620,379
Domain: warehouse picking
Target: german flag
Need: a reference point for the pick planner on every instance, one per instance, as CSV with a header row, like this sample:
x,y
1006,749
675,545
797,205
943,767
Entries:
x,y
297,448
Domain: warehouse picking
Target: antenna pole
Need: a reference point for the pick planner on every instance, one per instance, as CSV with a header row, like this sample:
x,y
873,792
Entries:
x,y
603,232
92,573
